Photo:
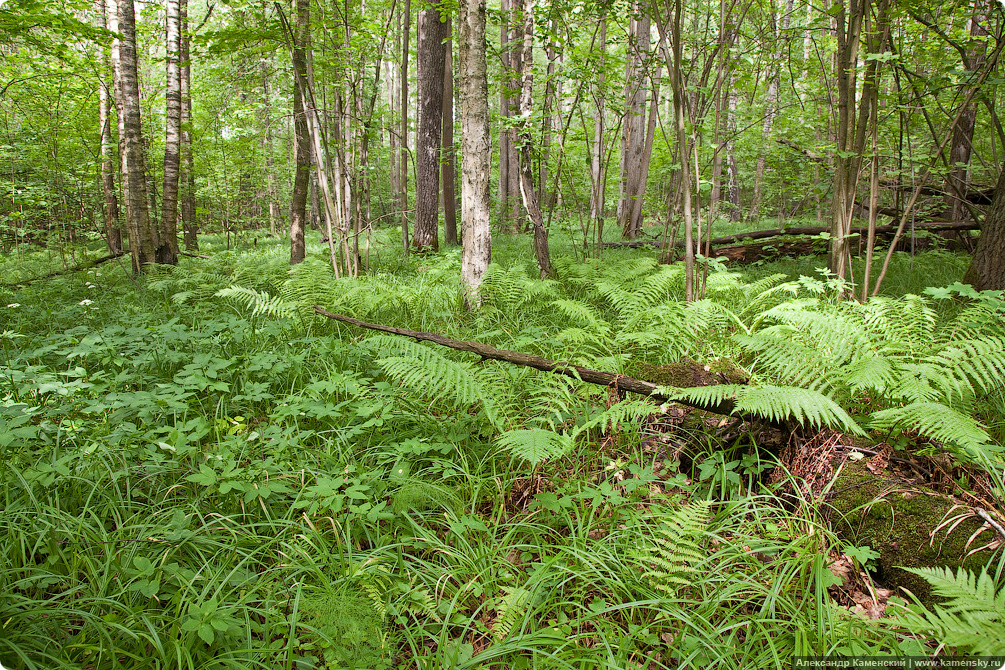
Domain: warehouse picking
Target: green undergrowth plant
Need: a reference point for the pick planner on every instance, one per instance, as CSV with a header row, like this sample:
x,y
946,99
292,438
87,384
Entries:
x,y
198,471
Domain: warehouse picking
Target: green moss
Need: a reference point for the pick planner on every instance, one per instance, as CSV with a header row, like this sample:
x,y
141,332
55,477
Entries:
x,y
897,520
687,373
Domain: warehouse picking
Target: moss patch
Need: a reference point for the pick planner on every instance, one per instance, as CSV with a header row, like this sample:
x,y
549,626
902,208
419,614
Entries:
x,y
686,373
898,520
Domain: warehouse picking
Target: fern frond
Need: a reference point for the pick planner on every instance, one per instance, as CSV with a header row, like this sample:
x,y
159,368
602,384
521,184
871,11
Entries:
x,y
980,363
971,620
262,303
579,312
510,608
534,444
936,421
629,411
776,403
673,557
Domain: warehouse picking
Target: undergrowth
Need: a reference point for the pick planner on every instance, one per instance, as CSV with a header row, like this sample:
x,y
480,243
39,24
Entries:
x,y
199,472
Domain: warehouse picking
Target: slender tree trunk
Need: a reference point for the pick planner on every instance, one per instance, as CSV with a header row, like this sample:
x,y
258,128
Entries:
x,y
301,142
189,228
772,100
449,160
113,235
635,217
597,177
528,191
403,138
633,128
505,53
514,181
268,149
958,179
167,250
142,237
547,118
476,149
431,59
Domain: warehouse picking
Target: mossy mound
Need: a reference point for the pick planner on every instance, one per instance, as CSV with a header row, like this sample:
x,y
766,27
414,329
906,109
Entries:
x,y
686,373
905,524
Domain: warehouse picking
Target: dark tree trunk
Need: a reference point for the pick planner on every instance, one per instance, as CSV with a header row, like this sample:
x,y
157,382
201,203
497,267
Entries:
x,y
431,58
987,269
302,144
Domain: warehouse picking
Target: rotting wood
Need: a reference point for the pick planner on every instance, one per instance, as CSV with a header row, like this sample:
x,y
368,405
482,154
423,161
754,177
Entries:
x,y
616,381
76,268
804,230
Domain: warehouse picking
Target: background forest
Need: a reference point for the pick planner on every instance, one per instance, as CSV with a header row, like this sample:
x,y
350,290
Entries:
x,y
733,273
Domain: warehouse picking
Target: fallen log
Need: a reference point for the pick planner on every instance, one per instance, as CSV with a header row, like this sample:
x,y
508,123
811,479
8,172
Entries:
x,y
610,379
804,230
76,268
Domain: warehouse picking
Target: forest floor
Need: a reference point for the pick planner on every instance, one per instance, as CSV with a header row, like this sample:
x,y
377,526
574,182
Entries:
x,y
199,471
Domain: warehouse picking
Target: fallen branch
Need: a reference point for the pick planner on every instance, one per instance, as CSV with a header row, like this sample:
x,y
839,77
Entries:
x,y
76,268
805,230
616,381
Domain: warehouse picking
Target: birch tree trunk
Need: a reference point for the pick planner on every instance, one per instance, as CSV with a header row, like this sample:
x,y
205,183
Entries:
x,y
476,149
406,18
187,188
142,234
431,59
167,249
527,190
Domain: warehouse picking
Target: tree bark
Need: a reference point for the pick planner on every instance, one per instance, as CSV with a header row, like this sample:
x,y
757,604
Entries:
x,y
527,189
449,160
505,53
619,382
406,18
113,234
167,249
267,149
189,228
987,268
597,177
142,234
431,59
476,149
633,126
301,142
958,179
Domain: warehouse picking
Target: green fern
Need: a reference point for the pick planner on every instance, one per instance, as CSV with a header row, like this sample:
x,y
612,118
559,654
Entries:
x,y
674,555
510,607
936,421
534,444
776,403
970,622
261,303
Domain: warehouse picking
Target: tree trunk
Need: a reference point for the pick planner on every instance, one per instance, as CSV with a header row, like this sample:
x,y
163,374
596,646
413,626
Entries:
x,y
167,250
449,160
527,189
301,142
597,177
267,149
958,179
476,149
431,59
403,138
987,268
633,127
113,235
504,113
142,237
189,228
